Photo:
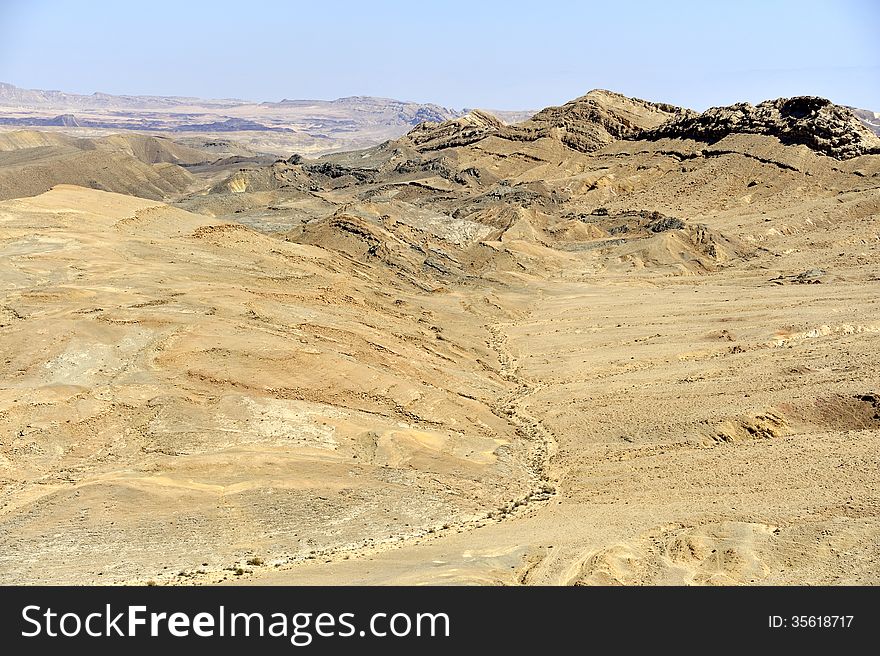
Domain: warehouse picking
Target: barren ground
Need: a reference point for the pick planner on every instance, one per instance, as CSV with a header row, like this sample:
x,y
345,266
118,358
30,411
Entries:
x,y
381,389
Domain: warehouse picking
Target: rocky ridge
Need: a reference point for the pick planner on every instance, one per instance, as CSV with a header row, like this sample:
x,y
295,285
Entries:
x,y
811,121
587,123
460,131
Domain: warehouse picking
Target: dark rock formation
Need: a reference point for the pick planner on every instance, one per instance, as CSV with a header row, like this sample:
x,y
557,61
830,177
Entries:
x,y
814,122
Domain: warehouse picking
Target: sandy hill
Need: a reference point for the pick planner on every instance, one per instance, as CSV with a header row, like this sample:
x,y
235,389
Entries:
x,y
148,167
229,380
147,149
26,139
156,149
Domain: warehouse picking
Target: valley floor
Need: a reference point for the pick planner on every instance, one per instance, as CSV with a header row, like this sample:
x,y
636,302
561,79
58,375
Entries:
x,y
654,488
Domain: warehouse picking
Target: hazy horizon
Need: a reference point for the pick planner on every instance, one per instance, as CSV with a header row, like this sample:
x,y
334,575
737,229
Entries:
x,y
499,55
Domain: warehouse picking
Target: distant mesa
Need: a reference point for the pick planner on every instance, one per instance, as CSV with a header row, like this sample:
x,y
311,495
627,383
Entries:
x,y
313,126
62,120
870,119
66,120
380,110
230,125
13,96
425,113
72,121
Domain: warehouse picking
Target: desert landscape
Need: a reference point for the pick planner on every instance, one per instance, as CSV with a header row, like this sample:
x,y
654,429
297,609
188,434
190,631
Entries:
x,y
614,341
226,126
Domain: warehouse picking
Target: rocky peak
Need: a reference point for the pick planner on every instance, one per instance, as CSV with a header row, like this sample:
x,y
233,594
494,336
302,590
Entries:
x,y
461,131
814,122
593,120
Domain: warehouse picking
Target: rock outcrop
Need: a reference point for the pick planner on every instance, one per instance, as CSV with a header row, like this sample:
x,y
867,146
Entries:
x,y
814,122
584,124
460,131
592,121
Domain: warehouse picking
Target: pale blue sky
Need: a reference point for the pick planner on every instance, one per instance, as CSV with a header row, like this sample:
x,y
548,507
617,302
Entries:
x,y
503,55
